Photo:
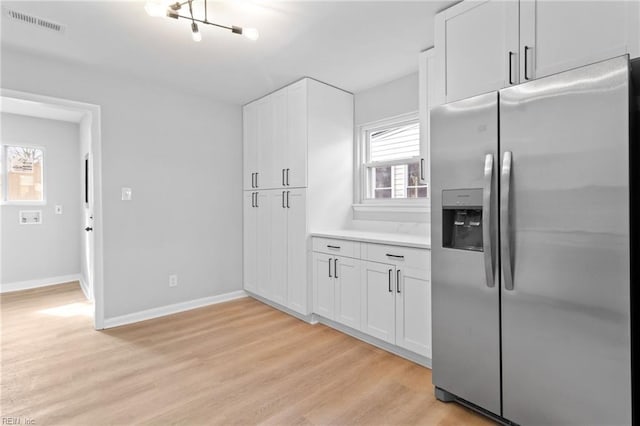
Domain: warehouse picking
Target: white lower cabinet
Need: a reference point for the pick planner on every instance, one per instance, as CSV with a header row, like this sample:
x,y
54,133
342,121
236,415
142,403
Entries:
x,y
336,288
384,293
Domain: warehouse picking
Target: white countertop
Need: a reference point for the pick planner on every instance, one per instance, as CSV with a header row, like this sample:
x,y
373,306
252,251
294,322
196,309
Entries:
x,y
396,239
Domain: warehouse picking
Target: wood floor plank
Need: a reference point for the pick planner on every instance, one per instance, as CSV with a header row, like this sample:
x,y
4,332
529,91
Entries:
x,y
240,362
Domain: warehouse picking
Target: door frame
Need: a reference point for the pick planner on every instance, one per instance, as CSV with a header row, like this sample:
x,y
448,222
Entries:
x,y
92,113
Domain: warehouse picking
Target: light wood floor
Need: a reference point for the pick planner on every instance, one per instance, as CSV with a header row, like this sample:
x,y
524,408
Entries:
x,y
240,362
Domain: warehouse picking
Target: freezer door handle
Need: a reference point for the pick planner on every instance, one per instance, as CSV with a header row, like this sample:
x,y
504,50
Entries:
x,y
505,221
487,236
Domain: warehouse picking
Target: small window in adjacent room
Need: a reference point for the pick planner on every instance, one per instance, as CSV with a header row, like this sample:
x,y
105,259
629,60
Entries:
x,y
391,161
22,174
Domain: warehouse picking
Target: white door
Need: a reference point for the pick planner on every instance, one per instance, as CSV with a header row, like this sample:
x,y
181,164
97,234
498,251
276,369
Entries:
x,y
481,47
280,124
378,301
297,251
413,310
263,243
278,247
347,287
560,35
323,285
250,239
297,135
249,144
266,155
89,251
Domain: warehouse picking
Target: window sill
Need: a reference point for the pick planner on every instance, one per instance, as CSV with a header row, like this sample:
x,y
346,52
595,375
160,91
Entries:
x,y
23,203
393,212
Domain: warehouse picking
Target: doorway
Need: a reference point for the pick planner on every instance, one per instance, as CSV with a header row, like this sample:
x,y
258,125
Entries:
x,y
87,118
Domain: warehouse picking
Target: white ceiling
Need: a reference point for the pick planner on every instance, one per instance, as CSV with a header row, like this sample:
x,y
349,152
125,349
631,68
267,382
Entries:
x,y
353,45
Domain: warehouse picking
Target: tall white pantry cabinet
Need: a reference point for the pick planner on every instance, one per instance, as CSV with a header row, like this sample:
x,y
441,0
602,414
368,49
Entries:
x,y
298,176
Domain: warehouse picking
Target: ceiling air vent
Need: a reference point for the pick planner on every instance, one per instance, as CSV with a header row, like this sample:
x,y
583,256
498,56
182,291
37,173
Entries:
x,y
34,20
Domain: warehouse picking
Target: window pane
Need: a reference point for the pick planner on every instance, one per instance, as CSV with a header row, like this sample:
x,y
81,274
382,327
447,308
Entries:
x,y
382,193
399,181
383,177
395,143
24,174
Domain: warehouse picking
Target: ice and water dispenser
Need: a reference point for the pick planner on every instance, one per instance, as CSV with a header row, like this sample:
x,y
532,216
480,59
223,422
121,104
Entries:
x,y
462,219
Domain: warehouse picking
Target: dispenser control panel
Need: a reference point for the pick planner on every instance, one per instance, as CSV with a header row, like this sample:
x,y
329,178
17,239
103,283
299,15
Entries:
x,y
462,219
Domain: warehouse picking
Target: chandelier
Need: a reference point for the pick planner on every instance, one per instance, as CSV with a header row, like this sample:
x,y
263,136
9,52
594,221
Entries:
x,y
160,8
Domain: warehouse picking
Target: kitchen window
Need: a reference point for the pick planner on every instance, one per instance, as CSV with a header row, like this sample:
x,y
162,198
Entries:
x,y
391,161
22,174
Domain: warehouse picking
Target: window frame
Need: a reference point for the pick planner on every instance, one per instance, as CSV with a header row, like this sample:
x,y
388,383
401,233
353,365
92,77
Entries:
x,y
4,174
362,166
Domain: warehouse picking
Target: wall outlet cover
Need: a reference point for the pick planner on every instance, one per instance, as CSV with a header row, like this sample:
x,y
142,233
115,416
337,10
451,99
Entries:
x,y
58,209
127,193
173,280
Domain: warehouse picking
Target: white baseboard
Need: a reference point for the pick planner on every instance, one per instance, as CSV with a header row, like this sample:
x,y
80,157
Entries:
x,y
42,282
85,288
171,309
306,318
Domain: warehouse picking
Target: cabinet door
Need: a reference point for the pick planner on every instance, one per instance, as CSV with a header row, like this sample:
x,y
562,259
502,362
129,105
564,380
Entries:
x,y
480,47
263,243
277,287
560,35
413,310
249,238
347,287
249,144
323,285
297,134
297,251
279,147
266,178
378,301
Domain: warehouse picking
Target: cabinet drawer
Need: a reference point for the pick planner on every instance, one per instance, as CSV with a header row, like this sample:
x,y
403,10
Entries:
x,y
337,247
402,256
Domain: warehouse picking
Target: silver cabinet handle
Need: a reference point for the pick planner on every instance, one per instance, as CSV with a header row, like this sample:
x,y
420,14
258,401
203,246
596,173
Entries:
x,y
505,221
253,199
257,200
253,175
335,268
333,247
390,287
282,177
288,199
256,179
395,256
398,280
422,169
287,177
283,199
330,267
487,236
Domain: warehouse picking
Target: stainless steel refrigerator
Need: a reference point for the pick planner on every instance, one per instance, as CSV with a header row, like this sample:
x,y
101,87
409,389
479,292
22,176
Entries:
x,y
531,249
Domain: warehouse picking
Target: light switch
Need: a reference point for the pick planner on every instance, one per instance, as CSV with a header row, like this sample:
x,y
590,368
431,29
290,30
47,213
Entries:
x,y
126,194
58,209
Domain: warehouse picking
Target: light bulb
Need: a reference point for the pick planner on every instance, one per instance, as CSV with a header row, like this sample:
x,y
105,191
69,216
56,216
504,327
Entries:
x,y
156,8
250,33
195,33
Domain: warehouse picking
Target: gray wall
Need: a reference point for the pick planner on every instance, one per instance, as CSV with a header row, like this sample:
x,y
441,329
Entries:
x,y
182,156
387,100
52,249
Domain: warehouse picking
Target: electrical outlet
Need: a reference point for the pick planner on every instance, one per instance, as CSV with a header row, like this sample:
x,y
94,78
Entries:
x,y
58,209
173,280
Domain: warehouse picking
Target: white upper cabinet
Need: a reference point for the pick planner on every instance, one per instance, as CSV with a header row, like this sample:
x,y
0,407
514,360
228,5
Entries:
x,y
250,144
487,45
296,148
560,35
279,143
480,43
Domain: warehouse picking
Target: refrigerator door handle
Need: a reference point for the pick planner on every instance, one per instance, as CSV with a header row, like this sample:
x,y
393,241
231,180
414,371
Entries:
x,y
505,221
486,222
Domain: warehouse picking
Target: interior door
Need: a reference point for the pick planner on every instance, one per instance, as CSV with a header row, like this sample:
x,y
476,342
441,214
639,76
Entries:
x,y
466,309
413,316
378,303
478,40
89,248
347,288
250,144
323,285
278,247
550,47
297,252
297,134
565,240
250,240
